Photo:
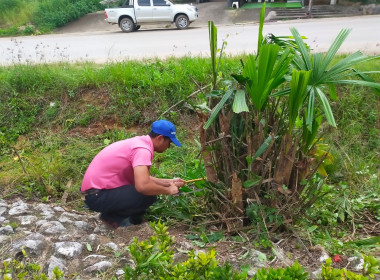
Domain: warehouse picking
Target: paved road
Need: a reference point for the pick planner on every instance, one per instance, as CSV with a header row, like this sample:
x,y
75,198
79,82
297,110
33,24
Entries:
x,y
110,46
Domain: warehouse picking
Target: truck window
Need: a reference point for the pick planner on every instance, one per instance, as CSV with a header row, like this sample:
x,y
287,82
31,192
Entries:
x,y
159,3
143,2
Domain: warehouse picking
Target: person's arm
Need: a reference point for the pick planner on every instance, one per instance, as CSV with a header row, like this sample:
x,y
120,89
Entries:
x,y
166,182
148,186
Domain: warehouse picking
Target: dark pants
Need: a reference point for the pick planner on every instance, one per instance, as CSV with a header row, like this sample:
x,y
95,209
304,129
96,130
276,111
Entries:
x,y
117,204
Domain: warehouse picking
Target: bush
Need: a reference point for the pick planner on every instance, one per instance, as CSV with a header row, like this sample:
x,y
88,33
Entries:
x,y
53,14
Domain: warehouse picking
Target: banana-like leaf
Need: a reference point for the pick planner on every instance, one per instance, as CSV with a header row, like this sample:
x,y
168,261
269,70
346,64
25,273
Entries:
x,y
261,25
240,104
326,107
305,56
212,33
363,76
265,73
250,183
263,147
366,242
310,109
298,92
342,36
361,83
217,108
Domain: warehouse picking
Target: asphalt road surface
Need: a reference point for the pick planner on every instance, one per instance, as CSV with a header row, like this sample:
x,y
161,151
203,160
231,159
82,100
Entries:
x,y
112,46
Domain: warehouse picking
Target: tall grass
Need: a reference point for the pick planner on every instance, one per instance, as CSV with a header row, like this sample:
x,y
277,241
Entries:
x,y
69,112
17,12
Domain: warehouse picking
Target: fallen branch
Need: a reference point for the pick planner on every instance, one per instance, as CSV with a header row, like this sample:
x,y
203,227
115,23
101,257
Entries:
x,y
179,102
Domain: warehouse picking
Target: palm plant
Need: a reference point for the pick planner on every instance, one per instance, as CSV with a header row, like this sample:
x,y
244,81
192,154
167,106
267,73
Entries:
x,y
261,138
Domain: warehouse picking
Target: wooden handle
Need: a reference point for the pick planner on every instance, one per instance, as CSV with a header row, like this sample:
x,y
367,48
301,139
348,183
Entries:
x,y
195,180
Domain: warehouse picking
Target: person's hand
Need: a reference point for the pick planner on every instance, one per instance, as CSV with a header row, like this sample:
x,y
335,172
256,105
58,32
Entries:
x,y
179,182
173,189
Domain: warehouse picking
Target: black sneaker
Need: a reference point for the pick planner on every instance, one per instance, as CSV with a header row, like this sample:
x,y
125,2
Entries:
x,y
125,223
111,224
136,220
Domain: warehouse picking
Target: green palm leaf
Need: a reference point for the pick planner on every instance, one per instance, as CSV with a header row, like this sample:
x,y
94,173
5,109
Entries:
x,y
298,92
240,104
215,111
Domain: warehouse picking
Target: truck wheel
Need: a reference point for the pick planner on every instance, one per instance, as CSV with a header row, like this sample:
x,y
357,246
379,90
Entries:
x,y
137,27
127,25
182,22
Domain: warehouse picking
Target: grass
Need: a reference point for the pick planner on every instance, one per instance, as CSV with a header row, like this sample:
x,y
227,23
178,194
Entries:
x,y
58,116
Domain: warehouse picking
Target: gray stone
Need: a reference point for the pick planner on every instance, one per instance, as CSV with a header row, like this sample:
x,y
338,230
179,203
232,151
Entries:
x,y
46,211
112,246
3,238
3,220
65,237
82,225
2,210
93,259
100,266
3,203
68,217
68,249
18,208
41,222
56,262
53,227
356,263
316,274
27,220
92,238
6,230
44,207
59,209
32,244
119,272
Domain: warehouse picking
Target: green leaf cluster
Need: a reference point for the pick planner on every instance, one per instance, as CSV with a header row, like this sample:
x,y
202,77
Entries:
x,y
371,267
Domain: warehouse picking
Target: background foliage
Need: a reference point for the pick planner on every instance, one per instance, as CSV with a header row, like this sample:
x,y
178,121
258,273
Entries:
x,y
21,17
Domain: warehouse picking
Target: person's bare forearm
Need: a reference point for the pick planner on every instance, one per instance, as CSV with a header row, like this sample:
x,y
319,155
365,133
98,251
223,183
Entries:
x,y
161,182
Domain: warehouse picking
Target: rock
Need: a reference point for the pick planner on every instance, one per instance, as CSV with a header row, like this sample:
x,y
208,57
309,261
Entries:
x,y
27,220
100,266
82,225
18,208
53,227
93,259
356,263
112,246
56,262
68,217
6,230
2,210
68,249
32,244
3,238
316,274
3,203
59,209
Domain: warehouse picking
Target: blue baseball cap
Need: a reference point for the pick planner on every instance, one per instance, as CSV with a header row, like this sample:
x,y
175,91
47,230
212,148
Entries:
x,y
166,128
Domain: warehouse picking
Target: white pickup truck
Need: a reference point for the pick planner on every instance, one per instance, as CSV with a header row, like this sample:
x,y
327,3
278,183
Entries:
x,y
134,13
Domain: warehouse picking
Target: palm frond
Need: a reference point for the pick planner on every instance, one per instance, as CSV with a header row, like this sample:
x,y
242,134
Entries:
x,y
302,49
215,111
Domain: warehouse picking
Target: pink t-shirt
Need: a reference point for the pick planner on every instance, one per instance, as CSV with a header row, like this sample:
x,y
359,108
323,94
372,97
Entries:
x,y
113,166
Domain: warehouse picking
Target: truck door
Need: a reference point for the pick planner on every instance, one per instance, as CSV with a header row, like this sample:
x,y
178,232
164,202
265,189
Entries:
x,y
143,11
162,10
